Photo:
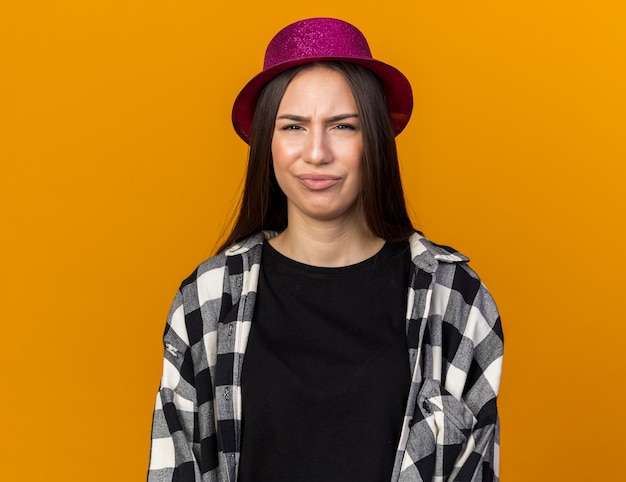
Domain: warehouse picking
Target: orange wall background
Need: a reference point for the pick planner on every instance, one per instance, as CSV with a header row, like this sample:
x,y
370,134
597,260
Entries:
x,y
119,168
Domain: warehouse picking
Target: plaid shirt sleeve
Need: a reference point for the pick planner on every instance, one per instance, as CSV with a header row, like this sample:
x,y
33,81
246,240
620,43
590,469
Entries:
x,y
184,438
451,427
197,414
172,449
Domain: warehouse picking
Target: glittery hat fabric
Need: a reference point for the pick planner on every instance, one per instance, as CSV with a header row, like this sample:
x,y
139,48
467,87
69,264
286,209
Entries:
x,y
316,40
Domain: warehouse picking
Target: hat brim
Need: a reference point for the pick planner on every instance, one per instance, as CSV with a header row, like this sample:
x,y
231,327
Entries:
x,y
398,93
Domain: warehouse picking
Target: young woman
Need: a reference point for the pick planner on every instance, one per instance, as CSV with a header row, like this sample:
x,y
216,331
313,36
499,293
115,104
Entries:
x,y
327,340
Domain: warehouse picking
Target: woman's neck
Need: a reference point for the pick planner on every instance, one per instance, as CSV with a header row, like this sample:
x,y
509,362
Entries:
x,y
327,244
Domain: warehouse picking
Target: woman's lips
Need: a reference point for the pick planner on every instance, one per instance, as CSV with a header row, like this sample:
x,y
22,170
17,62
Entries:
x,y
318,182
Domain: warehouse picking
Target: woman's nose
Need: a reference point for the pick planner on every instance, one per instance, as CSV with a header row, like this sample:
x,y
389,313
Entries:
x,y
317,149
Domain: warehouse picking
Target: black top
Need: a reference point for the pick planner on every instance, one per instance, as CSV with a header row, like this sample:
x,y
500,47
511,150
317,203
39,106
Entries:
x,y
326,371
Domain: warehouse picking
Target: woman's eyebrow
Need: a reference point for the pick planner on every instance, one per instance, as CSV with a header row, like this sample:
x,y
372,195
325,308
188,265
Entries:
x,y
299,118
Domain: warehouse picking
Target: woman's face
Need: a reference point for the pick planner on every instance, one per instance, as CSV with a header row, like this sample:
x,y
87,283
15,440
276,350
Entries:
x,y
317,147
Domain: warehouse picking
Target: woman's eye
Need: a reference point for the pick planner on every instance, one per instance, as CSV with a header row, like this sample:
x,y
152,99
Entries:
x,y
345,127
290,127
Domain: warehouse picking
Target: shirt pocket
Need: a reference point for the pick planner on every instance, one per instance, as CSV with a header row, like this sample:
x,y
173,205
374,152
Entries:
x,y
438,433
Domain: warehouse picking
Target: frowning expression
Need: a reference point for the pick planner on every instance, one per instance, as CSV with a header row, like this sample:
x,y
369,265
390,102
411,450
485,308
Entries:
x,y
317,147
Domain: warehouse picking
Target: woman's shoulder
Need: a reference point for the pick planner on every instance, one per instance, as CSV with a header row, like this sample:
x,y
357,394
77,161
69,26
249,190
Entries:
x,y
427,254
246,252
450,268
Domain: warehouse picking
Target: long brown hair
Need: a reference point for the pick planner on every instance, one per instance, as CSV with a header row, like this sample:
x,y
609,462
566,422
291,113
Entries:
x,y
263,205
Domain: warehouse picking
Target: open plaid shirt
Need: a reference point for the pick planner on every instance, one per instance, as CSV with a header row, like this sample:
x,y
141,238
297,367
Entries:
x,y
450,429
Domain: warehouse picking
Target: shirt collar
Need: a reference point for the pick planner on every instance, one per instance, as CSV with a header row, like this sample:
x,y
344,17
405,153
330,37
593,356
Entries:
x,y
427,255
250,242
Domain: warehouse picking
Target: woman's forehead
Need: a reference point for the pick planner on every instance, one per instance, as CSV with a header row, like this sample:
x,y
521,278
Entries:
x,y
318,87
